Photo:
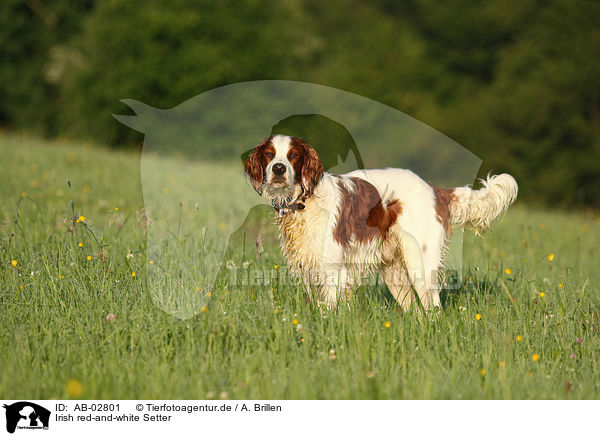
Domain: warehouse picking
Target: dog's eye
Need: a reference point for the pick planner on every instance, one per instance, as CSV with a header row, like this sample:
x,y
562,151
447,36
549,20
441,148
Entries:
x,y
292,155
270,155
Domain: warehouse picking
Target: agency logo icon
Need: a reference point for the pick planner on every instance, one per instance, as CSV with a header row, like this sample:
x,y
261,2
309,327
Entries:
x,y
26,415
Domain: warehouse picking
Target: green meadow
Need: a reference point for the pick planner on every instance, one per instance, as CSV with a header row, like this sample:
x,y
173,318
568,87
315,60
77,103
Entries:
x,y
85,309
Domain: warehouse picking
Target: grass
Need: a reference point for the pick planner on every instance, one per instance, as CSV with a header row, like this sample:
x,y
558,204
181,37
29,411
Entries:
x,y
244,342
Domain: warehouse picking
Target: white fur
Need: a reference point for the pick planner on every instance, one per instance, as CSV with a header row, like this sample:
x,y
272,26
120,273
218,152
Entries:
x,y
281,195
282,145
478,209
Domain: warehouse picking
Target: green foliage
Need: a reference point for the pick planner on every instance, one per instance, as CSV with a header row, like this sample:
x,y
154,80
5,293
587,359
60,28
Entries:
x,y
538,116
55,304
165,53
32,53
516,82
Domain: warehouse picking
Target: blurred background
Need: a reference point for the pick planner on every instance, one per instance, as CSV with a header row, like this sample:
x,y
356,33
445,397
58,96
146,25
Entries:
x,y
516,82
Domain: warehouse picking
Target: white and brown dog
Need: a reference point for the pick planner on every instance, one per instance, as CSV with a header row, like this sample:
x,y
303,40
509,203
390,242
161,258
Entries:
x,y
336,229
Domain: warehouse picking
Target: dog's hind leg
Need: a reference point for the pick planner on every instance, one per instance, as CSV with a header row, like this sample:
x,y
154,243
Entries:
x,y
421,269
398,283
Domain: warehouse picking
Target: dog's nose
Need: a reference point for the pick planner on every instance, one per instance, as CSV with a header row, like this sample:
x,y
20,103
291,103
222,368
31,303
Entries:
x,y
279,169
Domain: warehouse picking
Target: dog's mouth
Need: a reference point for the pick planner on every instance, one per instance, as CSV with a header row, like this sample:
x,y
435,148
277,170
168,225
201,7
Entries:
x,y
280,193
279,184
279,181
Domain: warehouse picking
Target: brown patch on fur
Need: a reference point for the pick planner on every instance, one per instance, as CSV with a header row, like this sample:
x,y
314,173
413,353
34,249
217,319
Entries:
x,y
443,198
384,217
362,213
258,161
306,163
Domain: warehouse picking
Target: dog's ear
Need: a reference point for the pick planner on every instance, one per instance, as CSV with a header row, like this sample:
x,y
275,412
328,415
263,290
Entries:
x,y
312,169
254,166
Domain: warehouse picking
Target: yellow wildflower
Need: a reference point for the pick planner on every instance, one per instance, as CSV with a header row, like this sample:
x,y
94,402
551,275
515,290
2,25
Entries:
x,y
89,258
295,321
203,310
387,324
80,244
482,371
478,317
14,263
535,357
519,338
132,273
508,271
74,388
542,294
551,257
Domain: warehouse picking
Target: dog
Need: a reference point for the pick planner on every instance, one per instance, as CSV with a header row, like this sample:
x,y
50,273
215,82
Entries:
x,y
337,229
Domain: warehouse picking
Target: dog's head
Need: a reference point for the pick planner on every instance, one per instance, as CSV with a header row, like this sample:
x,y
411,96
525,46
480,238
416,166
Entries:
x,y
283,168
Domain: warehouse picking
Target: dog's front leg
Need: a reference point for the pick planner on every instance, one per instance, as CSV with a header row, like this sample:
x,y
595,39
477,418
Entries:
x,y
333,288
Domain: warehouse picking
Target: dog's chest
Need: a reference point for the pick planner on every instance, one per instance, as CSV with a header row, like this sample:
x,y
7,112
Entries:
x,y
303,236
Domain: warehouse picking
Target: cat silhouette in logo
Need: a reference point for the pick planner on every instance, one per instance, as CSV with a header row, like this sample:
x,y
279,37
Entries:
x,y
31,412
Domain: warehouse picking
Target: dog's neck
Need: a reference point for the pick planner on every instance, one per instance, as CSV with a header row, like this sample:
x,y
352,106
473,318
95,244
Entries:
x,y
292,208
300,203
296,206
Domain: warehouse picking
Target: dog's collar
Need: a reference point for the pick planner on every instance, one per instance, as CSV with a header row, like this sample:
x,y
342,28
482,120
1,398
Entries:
x,y
293,208
296,206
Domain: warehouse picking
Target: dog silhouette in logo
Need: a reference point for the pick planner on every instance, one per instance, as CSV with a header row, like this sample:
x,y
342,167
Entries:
x,y
24,410
336,146
227,122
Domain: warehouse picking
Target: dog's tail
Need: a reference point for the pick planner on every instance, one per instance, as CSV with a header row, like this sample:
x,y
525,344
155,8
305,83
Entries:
x,y
478,208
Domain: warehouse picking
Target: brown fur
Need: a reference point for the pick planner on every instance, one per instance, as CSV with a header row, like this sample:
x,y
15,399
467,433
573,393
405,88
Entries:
x,y
443,199
257,162
307,165
362,214
304,159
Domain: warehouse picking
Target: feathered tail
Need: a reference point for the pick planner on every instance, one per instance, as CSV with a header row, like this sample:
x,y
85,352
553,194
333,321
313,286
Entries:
x,y
478,208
